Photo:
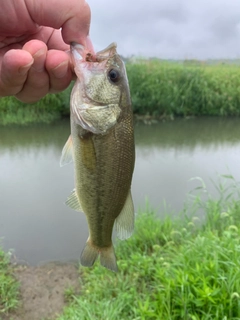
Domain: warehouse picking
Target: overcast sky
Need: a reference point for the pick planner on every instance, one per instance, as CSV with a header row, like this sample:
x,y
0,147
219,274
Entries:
x,y
173,29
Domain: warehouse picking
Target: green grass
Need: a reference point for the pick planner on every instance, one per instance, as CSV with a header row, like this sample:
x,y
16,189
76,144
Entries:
x,y
171,269
179,268
50,108
158,88
174,89
9,292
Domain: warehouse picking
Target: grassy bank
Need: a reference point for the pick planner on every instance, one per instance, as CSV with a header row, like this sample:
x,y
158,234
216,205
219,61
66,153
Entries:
x,y
164,89
174,89
8,286
48,109
171,269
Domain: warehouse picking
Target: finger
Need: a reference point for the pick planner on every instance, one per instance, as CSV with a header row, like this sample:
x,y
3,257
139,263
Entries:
x,y
14,69
59,70
55,40
37,84
73,16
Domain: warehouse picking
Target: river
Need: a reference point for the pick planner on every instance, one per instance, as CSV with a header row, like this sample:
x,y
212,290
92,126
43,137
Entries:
x,y
33,218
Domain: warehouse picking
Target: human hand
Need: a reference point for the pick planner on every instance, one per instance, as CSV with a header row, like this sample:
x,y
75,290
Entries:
x,y
33,50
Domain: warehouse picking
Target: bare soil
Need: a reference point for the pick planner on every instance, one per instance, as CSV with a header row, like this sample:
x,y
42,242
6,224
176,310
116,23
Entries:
x,y
42,290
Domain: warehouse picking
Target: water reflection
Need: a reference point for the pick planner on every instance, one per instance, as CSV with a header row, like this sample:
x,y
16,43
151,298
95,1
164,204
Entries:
x,y
35,222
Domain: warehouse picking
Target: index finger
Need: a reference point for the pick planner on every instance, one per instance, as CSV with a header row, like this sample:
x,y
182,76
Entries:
x,y
73,16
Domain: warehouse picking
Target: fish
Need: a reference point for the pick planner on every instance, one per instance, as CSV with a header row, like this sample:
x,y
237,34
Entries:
x,y
101,145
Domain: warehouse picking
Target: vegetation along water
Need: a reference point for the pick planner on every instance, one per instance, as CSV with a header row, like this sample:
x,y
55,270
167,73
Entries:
x,y
178,268
174,268
159,88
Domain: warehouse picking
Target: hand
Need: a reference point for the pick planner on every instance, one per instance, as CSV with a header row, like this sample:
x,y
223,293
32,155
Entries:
x,y
33,50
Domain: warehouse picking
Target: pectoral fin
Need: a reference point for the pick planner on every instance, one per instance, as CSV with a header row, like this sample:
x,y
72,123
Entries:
x,y
66,153
124,223
73,201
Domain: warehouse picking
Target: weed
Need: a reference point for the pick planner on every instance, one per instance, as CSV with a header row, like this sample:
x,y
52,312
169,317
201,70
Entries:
x,y
171,269
8,285
158,88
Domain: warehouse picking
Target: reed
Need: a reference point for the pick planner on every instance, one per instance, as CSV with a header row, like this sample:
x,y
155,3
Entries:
x,y
48,109
174,89
158,88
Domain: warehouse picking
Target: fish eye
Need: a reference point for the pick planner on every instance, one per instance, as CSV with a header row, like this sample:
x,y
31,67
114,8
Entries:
x,y
114,75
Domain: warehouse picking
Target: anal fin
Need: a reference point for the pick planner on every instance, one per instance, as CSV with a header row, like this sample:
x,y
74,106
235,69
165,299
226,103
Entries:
x,y
124,223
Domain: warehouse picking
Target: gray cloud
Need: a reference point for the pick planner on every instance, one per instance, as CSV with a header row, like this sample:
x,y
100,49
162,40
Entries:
x,y
177,29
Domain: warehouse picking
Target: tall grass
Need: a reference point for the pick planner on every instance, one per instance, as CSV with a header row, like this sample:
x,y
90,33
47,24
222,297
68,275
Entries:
x,y
171,269
48,109
9,293
173,89
158,88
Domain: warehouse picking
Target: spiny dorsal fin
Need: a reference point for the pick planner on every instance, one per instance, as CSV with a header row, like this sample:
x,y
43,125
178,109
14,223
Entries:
x,y
124,223
73,201
66,153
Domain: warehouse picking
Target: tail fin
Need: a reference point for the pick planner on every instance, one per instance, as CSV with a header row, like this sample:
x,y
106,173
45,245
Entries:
x,y
89,255
107,257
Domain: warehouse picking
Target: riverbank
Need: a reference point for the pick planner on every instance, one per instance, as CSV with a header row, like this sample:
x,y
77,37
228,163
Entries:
x,y
159,89
43,290
9,287
179,268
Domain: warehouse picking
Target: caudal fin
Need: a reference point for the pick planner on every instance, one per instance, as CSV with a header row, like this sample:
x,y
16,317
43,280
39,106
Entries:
x,y
89,255
107,257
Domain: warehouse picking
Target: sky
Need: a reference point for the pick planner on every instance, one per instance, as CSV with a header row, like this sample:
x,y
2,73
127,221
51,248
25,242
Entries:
x,y
168,29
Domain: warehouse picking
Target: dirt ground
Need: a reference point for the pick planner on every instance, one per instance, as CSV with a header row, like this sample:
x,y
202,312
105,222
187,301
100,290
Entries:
x,y
42,290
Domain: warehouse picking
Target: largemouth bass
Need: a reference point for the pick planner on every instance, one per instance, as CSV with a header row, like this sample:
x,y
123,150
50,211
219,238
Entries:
x,y
101,145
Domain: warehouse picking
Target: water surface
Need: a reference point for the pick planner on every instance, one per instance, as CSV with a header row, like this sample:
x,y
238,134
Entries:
x,y
33,218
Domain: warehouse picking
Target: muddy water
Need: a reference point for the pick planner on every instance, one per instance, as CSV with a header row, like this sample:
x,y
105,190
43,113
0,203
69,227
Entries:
x,y
33,218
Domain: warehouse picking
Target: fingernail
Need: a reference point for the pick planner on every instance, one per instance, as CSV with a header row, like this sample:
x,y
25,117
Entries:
x,y
24,69
61,70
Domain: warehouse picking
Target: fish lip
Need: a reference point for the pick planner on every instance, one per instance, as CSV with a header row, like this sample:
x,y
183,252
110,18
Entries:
x,y
81,53
75,48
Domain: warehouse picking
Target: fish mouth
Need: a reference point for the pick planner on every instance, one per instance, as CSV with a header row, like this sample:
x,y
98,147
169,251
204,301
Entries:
x,y
85,61
81,53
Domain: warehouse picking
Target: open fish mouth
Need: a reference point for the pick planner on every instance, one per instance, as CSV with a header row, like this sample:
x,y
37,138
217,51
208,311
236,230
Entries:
x,y
81,53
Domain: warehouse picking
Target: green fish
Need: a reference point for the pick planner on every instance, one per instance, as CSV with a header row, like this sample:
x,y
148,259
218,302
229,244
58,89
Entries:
x,y
102,148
